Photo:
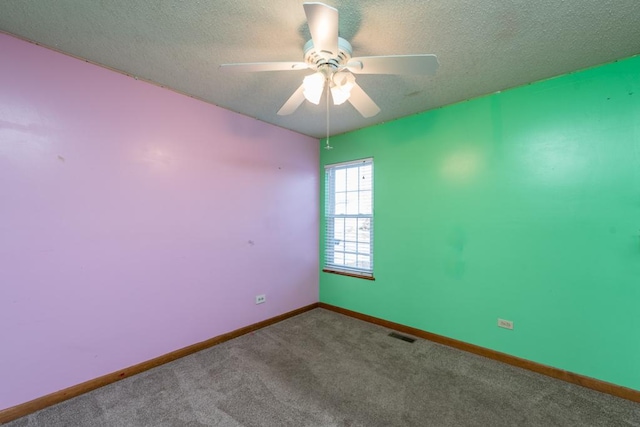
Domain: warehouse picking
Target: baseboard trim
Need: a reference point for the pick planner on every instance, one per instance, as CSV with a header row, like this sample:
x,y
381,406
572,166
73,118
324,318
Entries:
x,y
39,403
584,381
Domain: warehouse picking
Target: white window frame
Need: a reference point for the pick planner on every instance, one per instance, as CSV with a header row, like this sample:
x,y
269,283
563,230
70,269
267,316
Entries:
x,y
335,260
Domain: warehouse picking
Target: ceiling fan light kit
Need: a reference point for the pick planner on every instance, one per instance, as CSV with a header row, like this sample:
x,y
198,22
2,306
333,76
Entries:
x,y
330,56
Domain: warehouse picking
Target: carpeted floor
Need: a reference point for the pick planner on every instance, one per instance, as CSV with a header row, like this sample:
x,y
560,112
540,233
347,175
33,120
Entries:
x,y
325,369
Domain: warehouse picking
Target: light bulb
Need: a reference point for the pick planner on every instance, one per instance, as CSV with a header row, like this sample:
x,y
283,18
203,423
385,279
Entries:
x,y
313,87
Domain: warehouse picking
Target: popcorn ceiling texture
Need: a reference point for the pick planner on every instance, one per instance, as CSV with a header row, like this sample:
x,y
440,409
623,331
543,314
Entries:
x,y
483,47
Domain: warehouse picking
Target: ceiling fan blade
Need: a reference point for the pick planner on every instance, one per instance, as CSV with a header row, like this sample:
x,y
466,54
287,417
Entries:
x,y
323,25
361,102
264,66
394,64
293,102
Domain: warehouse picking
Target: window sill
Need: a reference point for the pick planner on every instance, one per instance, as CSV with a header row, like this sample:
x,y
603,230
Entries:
x,y
349,274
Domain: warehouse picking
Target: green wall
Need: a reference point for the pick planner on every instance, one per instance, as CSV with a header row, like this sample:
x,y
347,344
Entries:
x,y
523,205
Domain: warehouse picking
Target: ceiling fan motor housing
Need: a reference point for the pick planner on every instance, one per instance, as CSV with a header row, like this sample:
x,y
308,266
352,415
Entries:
x,y
325,61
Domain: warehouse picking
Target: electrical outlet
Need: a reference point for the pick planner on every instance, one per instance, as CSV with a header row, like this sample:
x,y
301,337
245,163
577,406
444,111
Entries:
x,y
261,299
507,324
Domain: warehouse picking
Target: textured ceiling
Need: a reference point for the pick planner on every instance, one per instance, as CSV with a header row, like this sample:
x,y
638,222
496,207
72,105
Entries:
x,y
482,46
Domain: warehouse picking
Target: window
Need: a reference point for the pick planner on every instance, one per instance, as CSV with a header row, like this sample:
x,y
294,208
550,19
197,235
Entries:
x,y
349,218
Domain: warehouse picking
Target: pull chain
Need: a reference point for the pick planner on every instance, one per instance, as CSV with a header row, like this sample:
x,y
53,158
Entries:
x,y
328,147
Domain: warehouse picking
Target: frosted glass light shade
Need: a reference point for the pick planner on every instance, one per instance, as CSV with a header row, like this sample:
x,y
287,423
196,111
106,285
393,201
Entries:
x,y
313,87
343,82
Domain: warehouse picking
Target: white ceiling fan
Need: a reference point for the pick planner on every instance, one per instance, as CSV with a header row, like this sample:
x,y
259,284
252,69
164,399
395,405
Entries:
x,y
330,57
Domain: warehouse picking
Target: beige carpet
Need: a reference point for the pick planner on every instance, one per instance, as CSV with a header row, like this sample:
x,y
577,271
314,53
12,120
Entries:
x,y
324,369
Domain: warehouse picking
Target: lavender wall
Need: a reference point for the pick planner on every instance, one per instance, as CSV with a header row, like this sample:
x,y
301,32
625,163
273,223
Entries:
x,y
135,221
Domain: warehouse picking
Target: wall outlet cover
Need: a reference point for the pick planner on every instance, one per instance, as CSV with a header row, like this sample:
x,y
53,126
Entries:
x,y
507,324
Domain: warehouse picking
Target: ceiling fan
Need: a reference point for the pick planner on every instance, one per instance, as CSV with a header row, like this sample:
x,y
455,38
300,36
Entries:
x,y
330,57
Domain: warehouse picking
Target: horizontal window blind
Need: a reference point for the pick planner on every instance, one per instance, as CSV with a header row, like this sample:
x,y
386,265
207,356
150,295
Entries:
x,y
349,217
